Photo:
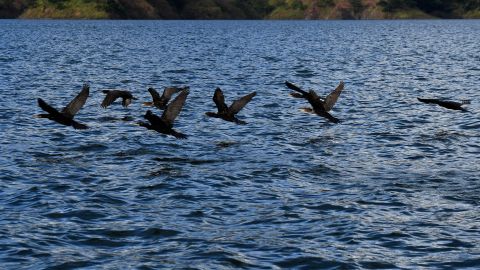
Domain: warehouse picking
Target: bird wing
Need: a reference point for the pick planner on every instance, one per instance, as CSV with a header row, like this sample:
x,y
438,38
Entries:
x,y
111,96
169,91
174,108
77,103
313,95
294,87
47,107
238,104
314,100
154,93
219,100
332,98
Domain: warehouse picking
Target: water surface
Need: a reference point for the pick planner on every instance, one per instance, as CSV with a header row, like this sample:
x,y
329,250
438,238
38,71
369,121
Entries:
x,y
394,185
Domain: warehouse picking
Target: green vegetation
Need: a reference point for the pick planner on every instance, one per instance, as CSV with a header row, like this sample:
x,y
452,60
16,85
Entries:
x,y
75,9
239,9
287,9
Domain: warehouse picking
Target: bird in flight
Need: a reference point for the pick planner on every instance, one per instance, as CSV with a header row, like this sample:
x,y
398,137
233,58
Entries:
x,y
452,105
65,117
161,101
228,113
164,124
321,106
112,95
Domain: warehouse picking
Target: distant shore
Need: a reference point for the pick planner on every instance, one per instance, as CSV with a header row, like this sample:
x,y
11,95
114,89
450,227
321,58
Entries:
x,y
234,10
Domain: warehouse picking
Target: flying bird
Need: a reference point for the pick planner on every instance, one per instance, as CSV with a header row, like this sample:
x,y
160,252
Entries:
x,y
228,113
164,124
112,95
161,101
452,105
65,117
321,106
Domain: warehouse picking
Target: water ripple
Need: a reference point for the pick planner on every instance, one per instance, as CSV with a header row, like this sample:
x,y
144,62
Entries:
x,y
393,186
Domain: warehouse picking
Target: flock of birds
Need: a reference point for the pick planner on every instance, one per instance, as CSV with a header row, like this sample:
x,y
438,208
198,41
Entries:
x,y
164,123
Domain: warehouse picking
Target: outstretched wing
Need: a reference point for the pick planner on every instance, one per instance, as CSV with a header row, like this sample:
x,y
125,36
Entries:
x,y
332,98
154,93
219,100
111,96
77,103
174,108
238,104
294,87
47,107
169,91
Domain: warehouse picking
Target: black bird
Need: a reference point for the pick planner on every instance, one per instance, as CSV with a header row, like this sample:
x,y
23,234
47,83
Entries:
x,y
112,95
164,124
452,105
228,113
162,101
321,106
65,117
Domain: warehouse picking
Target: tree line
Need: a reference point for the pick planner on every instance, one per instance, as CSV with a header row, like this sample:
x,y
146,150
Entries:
x,y
229,9
438,8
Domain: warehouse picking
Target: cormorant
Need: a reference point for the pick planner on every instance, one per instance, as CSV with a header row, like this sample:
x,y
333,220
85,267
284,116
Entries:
x,y
161,101
321,106
112,95
65,117
228,113
164,124
452,105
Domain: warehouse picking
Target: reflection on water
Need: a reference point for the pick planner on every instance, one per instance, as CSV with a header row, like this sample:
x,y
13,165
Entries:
x,y
394,185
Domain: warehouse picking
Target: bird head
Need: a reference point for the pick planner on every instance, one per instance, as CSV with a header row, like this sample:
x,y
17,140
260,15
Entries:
x,y
148,113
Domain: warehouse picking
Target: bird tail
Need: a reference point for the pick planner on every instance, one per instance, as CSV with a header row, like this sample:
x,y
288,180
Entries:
x,y
179,135
105,91
77,125
330,117
240,122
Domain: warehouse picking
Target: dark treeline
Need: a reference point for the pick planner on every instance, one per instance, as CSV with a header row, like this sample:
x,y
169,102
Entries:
x,y
14,8
237,9
436,8
145,9
189,9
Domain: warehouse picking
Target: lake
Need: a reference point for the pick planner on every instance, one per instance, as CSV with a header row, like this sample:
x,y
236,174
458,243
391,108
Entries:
x,y
394,185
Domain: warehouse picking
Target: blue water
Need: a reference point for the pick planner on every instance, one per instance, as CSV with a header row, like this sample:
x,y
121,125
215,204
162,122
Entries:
x,y
395,185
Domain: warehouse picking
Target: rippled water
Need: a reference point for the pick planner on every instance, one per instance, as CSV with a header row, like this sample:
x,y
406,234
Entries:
x,y
394,185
